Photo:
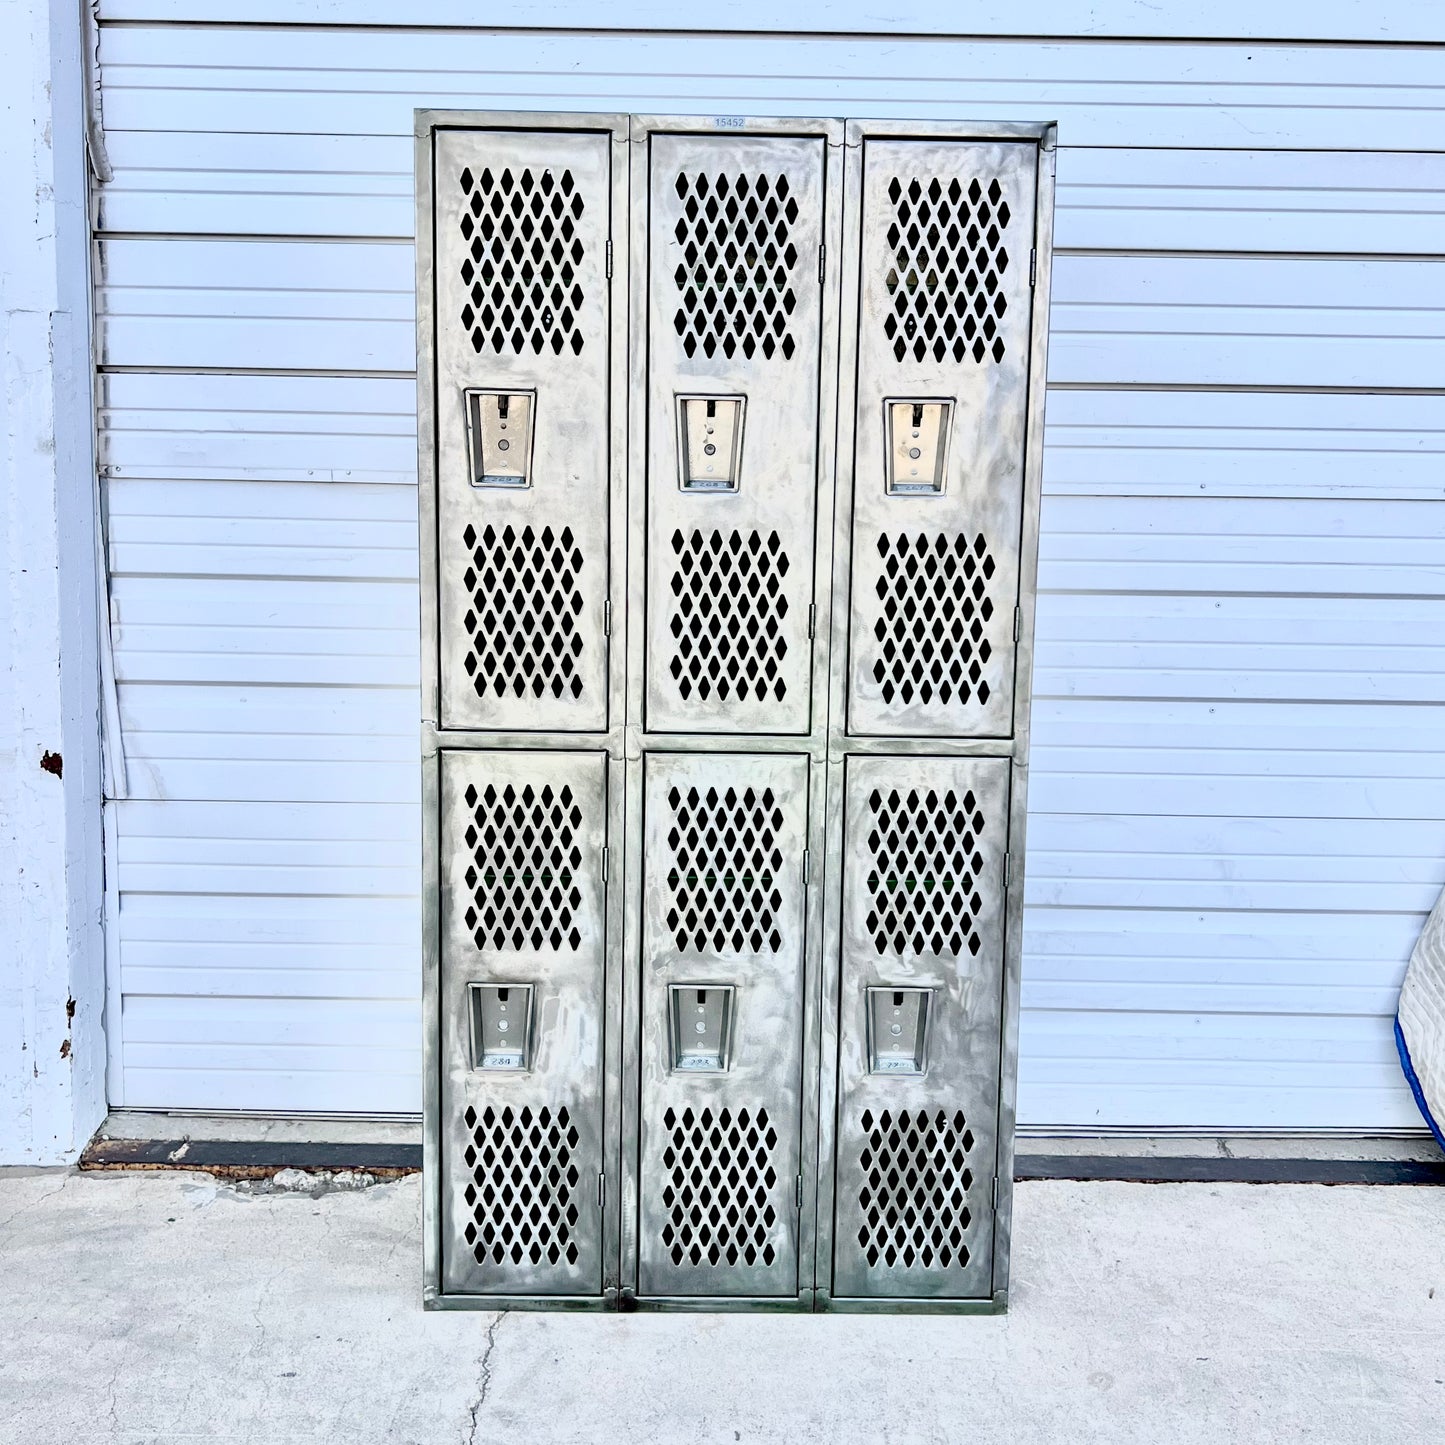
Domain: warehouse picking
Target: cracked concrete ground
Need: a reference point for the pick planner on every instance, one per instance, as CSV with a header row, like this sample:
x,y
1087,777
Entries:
x,y
141,1308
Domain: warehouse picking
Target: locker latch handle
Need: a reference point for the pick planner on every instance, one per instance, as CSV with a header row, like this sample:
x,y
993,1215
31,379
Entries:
x,y
499,436
917,431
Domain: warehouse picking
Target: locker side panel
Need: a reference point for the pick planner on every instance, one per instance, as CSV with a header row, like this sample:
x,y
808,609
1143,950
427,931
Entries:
x,y
920,1026
734,343
522,928
940,425
722,926
522,317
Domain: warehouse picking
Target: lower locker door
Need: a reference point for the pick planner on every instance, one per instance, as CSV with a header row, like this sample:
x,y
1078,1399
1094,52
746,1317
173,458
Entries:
x,y
722,1023
921,1014
522,996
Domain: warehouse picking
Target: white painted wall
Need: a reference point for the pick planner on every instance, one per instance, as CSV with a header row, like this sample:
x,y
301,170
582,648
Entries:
x,y
1238,788
52,981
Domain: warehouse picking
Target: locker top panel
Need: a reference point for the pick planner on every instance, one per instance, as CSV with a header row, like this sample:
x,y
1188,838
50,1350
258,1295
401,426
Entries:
x,y
734,337
944,323
523,345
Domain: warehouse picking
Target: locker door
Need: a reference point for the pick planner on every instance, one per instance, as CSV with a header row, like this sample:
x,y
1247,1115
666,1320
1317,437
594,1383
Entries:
x,y
722,1023
920,1020
734,308
522,321
523,1009
940,421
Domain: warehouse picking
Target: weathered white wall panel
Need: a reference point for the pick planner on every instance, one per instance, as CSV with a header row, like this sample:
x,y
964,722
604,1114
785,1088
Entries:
x,y
1237,792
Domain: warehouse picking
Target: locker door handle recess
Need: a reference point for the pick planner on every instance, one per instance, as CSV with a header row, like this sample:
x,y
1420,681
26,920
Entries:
x,y
701,1026
499,436
501,1025
710,442
918,446
898,1030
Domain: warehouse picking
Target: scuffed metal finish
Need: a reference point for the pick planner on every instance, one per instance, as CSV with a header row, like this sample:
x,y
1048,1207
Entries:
x,y
523,304
723,903
923,890
799,772
522,903
944,312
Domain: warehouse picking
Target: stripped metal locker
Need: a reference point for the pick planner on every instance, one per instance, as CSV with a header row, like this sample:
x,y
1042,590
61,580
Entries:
x,y
521,414
945,323
721,871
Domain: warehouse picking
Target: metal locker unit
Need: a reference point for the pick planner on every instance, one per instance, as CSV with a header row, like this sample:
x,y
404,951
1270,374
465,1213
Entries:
x,y
734,359
521,287
944,332
721,881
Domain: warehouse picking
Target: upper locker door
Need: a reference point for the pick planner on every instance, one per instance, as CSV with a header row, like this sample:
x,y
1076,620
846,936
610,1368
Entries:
x,y
940,419
734,311
522,317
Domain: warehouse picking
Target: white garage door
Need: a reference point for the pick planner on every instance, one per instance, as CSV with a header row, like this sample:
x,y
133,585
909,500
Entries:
x,y
1238,788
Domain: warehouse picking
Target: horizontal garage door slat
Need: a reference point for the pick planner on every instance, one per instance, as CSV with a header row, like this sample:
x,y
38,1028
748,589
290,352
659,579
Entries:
x,y
1104,93
1182,320
1109,198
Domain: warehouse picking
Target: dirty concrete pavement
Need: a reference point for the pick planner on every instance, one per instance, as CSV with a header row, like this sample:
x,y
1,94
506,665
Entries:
x,y
142,1308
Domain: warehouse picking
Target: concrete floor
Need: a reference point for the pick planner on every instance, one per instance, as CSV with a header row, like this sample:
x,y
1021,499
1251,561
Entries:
x,y
142,1308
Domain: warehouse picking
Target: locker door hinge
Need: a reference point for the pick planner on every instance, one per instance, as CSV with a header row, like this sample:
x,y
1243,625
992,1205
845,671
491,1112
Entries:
x,y
1033,267
609,258
1018,622
807,863
602,1190
606,859
1008,868
812,620
822,263
800,1191
995,1193
607,618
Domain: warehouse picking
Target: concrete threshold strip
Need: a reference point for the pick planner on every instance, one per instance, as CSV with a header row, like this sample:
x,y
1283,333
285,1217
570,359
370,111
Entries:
x,y
258,1159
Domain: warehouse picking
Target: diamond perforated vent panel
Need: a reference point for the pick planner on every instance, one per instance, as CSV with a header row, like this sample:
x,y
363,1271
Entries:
x,y
524,603
719,1199
913,1190
923,884
735,279
948,259
934,609
522,873
725,863
522,255
523,1194
727,614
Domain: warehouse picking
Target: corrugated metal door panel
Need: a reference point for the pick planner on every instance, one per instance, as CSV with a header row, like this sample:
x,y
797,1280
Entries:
x,y
1200,444
1226,19
1120,320
1259,1071
1226,875
320,429
366,82
328,1055
1108,198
